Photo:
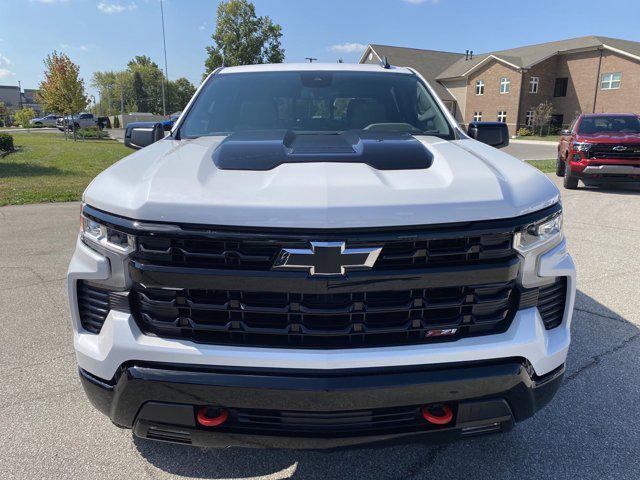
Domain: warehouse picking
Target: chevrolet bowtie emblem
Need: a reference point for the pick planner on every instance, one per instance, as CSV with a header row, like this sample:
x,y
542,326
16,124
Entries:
x,y
326,258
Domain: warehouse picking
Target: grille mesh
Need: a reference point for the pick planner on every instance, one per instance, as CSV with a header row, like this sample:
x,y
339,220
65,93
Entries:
x,y
605,150
324,320
93,305
551,301
253,254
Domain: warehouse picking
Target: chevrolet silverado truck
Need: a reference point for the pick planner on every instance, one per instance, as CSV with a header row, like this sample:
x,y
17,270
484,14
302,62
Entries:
x,y
318,256
599,149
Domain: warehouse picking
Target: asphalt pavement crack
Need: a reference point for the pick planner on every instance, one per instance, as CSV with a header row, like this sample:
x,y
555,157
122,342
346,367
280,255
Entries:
x,y
610,317
596,359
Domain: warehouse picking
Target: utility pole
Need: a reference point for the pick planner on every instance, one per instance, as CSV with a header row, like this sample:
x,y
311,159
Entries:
x,y
311,59
166,72
122,100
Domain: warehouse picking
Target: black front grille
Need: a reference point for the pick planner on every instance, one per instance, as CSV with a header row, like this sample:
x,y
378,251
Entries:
x,y
95,302
410,251
551,302
606,150
327,424
93,305
371,318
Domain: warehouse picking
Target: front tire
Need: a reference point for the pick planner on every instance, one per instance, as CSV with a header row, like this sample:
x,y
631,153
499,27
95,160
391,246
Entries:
x,y
570,181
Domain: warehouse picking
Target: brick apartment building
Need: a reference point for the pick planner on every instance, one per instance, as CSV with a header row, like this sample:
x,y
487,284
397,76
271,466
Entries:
x,y
579,75
14,99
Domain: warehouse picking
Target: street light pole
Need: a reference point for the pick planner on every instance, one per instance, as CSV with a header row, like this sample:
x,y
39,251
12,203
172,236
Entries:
x,y
166,72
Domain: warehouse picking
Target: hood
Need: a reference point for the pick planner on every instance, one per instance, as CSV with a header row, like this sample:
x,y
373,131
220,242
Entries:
x,y
178,181
610,137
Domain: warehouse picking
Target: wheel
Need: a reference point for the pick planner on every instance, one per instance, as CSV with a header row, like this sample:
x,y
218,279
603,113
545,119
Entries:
x,y
76,126
559,166
570,181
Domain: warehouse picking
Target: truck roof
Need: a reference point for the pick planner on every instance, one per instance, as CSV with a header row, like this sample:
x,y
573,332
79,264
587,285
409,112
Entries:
x,y
308,67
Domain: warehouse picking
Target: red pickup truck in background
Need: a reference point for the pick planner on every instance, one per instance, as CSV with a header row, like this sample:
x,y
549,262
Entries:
x,y
599,149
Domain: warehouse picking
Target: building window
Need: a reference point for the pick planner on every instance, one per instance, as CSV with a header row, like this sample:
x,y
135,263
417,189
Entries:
x,y
529,118
533,84
479,87
560,88
610,81
502,116
477,116
504,85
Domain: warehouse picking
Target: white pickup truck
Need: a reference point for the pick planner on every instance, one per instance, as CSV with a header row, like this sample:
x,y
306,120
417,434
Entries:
x,y
83,120
318,256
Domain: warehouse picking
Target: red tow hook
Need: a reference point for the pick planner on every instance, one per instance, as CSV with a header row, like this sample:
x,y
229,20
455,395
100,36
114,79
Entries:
x,y
212,416
437,413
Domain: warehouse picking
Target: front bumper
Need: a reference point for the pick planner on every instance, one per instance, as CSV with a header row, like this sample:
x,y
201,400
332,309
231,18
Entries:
x,y
121,341
313,409
609,170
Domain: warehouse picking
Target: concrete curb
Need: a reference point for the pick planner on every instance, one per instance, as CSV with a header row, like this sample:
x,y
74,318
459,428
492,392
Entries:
x,y
534,142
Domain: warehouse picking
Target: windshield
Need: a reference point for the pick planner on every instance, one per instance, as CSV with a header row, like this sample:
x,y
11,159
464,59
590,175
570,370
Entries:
x,y
609,124
314,102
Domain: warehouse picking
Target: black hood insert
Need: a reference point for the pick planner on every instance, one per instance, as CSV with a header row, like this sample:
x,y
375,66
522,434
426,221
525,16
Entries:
x,y
265,150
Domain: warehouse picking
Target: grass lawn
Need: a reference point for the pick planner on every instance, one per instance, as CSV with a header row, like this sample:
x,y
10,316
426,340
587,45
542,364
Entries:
x,y
49,168
547,166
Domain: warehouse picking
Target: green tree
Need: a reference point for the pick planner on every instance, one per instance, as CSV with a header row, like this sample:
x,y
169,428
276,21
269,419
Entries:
x,y
242,38
62,90
180,92
3,114
139,93
542,116
151,82
23,116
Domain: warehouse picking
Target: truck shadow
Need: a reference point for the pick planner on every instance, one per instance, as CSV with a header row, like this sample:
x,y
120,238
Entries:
x,y
586,432
621,189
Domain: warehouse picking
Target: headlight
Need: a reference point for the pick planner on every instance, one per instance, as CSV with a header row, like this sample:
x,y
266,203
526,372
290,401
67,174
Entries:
x,y
547,231
96,234
581,146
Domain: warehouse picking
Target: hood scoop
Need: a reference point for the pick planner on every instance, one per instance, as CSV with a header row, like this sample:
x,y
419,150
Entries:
x,y
265,150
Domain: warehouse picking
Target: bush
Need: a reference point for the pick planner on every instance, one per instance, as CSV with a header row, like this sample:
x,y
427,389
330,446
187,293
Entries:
x,y
6,142
523,132
24,116
116,122
91,132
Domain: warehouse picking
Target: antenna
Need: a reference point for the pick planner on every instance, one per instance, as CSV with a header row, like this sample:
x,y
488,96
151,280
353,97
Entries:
x,y
384,63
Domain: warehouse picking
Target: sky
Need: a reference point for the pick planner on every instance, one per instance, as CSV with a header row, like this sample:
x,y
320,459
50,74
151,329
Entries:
x,y
106,34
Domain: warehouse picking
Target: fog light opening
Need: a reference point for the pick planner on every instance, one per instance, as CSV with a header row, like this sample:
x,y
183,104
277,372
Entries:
x,y
437,413
212,416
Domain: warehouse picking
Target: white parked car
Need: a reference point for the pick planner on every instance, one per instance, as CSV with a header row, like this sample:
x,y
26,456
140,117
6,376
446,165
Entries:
x,y
47,121
318,256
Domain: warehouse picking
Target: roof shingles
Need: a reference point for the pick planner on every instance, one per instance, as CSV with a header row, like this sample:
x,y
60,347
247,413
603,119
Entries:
x,y
435,65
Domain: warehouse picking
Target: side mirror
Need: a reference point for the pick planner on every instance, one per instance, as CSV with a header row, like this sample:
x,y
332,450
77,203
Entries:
x,y
495,134
565,133
142,134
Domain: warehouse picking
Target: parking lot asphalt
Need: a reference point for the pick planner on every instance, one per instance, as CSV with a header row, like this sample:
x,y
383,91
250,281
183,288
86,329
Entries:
x,y
590,430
